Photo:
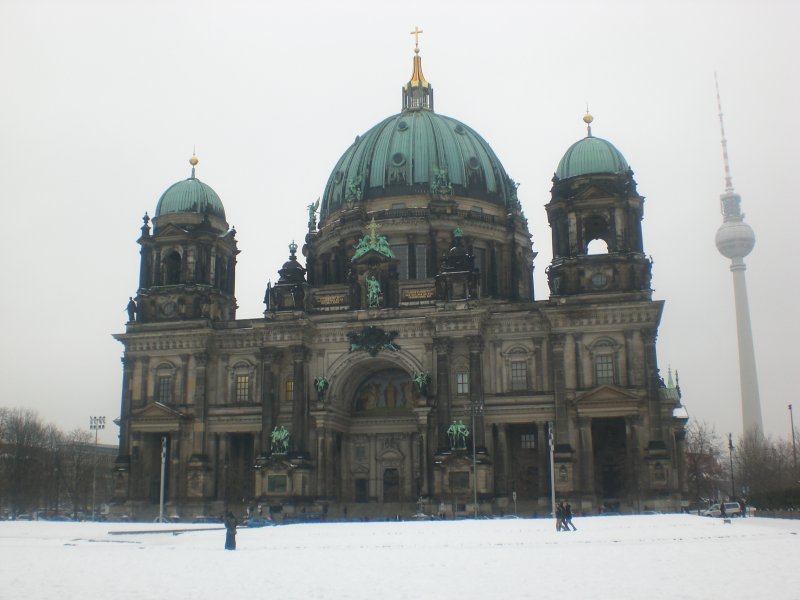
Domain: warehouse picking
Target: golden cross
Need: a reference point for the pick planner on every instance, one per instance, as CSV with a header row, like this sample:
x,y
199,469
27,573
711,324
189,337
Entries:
x,y
416,33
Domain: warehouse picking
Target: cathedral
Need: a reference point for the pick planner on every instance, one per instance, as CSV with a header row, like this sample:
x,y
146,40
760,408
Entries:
x,y
403,363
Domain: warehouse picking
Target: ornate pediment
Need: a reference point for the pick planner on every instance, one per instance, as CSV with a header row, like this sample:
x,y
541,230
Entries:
x,y
606,399
156,417
170,229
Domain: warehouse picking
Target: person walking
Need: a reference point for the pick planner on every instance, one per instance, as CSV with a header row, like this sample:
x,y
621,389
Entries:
x,y
568,517
560,516
230,531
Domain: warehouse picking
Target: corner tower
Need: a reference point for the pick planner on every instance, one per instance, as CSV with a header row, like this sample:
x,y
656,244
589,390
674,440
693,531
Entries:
x,y
188,262
735,240
595,214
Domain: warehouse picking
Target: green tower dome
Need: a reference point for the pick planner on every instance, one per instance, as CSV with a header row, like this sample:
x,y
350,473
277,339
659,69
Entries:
x,y
591,155
414,152
190,196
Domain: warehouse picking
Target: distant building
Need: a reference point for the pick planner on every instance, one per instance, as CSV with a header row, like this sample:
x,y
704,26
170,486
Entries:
x,y
413,316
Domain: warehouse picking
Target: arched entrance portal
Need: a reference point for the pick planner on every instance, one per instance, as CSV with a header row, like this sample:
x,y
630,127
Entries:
x,y
382,447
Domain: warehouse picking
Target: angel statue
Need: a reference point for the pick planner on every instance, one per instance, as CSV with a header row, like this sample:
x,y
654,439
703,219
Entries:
x,y
422,380
279,439
321,384
312,215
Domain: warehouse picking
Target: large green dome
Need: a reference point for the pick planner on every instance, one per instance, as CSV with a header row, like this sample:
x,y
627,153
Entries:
x,y
412,151
589,156
190,196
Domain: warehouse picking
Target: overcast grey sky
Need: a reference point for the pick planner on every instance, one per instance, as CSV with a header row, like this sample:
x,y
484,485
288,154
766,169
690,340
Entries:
x,y
102,103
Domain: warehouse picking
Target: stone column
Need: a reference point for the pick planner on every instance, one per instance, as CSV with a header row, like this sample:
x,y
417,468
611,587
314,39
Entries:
x,y
329,490
443,348
144,366
629,376
299,431
538,366
408,467
200,400
373,468
128,363
637,468
322,460
651,381
680,462
504,453
586,458
580,383
559,389
268,405
476,390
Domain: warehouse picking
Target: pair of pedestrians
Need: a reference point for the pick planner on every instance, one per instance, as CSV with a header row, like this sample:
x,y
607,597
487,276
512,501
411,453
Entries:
x,y
564,517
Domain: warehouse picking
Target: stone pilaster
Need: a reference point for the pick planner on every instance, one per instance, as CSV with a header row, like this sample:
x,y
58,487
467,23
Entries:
x,y
476,346
443,348
559,389
299,433
128,363
586,458
268,405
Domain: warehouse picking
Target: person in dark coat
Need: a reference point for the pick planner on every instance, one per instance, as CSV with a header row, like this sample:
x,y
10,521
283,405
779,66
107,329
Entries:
x,y
568,518
230,531
560,516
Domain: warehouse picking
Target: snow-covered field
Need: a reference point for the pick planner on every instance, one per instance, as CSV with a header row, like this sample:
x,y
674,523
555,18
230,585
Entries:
x,y
628,557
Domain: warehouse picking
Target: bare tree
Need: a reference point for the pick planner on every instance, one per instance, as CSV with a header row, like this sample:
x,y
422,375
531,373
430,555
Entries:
x,y
763,465
704,471
76,468
23,456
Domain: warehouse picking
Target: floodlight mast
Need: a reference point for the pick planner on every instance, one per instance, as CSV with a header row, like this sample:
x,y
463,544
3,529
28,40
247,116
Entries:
x,y
552,470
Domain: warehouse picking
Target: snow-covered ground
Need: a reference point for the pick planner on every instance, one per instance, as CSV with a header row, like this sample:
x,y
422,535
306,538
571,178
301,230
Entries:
x,y
627,557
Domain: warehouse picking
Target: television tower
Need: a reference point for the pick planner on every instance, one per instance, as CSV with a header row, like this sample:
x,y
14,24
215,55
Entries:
x,y
735,240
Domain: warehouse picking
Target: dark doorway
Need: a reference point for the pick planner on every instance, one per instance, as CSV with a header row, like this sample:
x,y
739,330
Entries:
x,y
391,485
361,490
524,454
240,478
608,441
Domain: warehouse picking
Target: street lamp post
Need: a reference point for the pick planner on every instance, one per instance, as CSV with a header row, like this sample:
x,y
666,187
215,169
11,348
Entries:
x,y
96,424
730,453
163,477
794,444
552,469
475,407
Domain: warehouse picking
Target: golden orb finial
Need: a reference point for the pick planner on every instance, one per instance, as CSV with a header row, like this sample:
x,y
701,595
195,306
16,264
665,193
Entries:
x,y
193,161
587,118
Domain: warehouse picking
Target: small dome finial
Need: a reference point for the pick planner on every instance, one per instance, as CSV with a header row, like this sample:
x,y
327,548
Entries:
x,y
193,161
588,118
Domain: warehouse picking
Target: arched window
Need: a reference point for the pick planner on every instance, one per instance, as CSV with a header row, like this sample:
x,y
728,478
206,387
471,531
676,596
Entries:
x,y
597,246
604,359
172,268
164,383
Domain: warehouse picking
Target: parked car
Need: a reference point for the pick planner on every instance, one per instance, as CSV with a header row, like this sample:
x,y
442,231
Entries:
x,y
257,522
732,509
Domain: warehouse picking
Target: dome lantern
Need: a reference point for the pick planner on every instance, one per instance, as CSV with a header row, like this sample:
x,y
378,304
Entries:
x,y
417,93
